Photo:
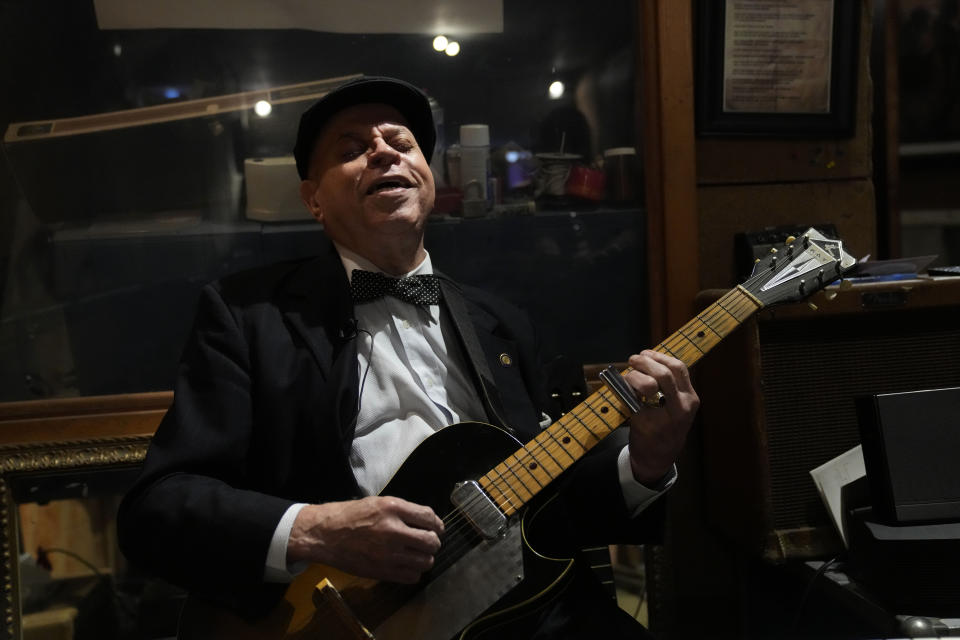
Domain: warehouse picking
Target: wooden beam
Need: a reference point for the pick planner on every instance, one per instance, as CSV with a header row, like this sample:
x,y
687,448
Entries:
x,y
669,148
69,419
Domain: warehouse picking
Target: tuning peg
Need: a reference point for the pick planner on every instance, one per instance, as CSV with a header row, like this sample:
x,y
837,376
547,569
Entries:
x,y
790,240
773,249
846,285
813,307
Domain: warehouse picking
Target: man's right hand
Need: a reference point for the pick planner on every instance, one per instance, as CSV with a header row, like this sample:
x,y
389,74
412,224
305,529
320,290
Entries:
x,y
384,538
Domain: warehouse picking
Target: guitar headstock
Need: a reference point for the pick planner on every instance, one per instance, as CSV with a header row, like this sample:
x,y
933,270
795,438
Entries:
x,y
800,268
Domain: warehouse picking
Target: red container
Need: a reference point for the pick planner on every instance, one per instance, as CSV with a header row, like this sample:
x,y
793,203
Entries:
x,y
587,183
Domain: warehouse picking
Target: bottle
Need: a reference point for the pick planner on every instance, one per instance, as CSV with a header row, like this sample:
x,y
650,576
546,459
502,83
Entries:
x,y
475,161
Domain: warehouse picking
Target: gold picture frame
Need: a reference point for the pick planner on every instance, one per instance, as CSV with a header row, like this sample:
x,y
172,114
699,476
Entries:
x,y
82,435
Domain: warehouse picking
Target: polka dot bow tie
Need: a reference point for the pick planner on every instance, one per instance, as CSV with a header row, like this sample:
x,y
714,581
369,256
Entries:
x,y
367,285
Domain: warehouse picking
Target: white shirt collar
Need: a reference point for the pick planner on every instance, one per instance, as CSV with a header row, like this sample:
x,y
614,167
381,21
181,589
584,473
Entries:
x,y
353,261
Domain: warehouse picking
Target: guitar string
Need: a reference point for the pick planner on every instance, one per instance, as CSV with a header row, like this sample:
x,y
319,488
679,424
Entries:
x,y
458,522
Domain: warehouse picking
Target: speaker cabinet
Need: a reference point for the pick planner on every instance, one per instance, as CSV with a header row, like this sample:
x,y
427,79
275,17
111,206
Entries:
x,y
778,400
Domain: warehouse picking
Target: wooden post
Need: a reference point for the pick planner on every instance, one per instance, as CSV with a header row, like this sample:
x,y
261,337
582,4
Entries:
x,y
667,126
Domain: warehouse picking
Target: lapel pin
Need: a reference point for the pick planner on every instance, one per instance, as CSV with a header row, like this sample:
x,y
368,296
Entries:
x,y
505,359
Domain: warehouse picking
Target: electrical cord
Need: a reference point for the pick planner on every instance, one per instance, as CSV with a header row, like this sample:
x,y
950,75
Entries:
x,y
43,560
809,589
363,378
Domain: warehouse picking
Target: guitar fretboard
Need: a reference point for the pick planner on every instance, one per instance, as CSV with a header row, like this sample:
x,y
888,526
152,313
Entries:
x,y
516,480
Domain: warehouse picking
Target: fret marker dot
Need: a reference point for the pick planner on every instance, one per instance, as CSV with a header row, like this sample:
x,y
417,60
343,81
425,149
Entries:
x,y
700,334
533,465
566,440
604,409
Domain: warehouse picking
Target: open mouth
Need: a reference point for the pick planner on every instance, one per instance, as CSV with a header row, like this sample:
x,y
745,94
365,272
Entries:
x,y
387,184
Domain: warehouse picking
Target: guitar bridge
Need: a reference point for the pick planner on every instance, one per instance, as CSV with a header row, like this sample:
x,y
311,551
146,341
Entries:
x,y
479,509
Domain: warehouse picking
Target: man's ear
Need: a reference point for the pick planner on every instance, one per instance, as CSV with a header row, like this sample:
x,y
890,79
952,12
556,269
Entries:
x,y
308,194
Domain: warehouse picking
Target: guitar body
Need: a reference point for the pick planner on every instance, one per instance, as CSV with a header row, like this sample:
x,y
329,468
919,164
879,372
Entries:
x,y
475,587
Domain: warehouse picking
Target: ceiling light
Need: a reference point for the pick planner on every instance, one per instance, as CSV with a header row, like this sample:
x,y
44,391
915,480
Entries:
x,y
262,108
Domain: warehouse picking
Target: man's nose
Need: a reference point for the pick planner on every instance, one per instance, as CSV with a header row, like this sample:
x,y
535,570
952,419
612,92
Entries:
x,y
382,154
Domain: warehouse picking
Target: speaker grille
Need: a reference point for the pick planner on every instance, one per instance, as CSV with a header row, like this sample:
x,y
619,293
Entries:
x,y
813,369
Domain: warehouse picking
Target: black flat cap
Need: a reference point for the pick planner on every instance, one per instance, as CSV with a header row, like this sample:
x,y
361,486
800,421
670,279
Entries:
x,y
402,96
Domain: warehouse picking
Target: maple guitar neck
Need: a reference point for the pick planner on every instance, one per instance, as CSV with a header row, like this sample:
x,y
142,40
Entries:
x,y
516,480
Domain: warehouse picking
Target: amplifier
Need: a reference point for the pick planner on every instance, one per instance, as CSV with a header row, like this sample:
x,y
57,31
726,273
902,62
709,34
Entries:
x,y
778,399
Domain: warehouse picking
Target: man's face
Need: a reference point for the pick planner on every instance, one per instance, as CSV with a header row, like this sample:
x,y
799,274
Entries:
x,y
369,183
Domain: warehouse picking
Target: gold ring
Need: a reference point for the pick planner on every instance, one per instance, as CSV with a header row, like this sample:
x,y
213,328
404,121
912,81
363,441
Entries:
x,y
656,402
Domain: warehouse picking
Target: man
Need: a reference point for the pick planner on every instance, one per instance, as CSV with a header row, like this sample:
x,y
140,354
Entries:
x,y
302,390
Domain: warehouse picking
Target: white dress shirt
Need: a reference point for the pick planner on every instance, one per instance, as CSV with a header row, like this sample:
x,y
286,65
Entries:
x,y
402,353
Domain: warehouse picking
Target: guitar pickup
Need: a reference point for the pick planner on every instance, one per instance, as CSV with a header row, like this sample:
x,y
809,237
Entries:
x,y
479,509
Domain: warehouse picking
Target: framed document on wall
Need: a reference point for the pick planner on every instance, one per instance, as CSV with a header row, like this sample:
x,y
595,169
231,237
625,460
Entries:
x,y
777,68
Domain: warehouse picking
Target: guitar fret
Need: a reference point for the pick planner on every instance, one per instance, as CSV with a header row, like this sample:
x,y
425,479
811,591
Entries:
x,y
544,447
532,463
512,467
663,347
700,336
707,321
502,501
573,436
560,446
517,501
521,492
587,427
614,401
682,351
594,411
718,303
703,320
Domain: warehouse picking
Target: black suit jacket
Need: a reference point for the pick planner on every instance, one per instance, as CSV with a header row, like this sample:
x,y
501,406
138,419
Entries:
x,y
263,416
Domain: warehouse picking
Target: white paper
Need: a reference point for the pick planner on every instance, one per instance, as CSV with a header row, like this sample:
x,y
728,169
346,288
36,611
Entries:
x,y
431,17
831,476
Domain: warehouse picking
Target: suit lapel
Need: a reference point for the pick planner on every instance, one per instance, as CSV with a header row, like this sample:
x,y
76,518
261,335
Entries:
x,y
467,325
317,307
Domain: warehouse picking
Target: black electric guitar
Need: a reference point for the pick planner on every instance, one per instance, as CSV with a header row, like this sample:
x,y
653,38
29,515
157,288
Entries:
x,y
481,480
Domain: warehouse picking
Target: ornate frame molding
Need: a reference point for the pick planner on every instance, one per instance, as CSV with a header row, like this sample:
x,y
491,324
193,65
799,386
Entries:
x,y
61,435
17,459
29,458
